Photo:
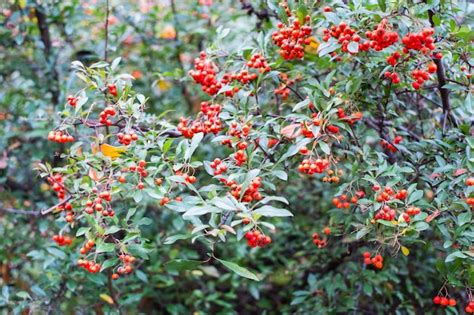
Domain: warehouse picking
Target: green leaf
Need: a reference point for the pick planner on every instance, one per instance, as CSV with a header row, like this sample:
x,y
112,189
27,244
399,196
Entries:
x,y
194,144
421,226
382,5
82,231
362,232
415,196
56,252
267,199
179,265
280,174
302,104
241,271
327,48
142,276
464,218
269,211
453,256
353,47
324,146
23,295
144,221
174,238
105,247
200,210
112,229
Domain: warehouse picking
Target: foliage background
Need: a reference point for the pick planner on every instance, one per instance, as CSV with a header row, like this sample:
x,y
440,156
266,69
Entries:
x,y
158,41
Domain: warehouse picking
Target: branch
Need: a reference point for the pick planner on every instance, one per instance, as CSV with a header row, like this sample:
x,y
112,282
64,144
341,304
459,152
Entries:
x,y
46,211
262,15
33,213
184,90
43,27
106,44
444,93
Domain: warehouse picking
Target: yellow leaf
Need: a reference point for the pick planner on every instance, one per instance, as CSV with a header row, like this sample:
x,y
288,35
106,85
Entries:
x,y
168,32
93,175
94,148
312,48
163,85
107,298
394,222
111,151
405,251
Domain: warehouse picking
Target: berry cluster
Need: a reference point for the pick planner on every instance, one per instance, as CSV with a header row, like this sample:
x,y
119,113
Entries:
x,y
386,213
411,211
140,169
127,138
463,69
71,100
257,61
57,183
352,119
218,167
104,116
343,201
240,157
69,214
305,131
311,166
420,76
422,41
401,195
97,204
444,301
89,265
250,194
112,88
332,129
319,242
208,121
127,268
388,193
164,201
392,76
191,179
333,177
393,58
256,238
469,307
376,261
87,247
60,137
283,89
62,240
204,73
237,132
292,38
271,142
381,37
388,146
243,77
344,35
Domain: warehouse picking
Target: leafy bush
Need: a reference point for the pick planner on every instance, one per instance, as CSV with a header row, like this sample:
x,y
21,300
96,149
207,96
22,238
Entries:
x,y
236,157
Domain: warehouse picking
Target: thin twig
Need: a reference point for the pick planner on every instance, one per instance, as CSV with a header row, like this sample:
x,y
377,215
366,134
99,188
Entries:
x,y
33,213
46,211
106,30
